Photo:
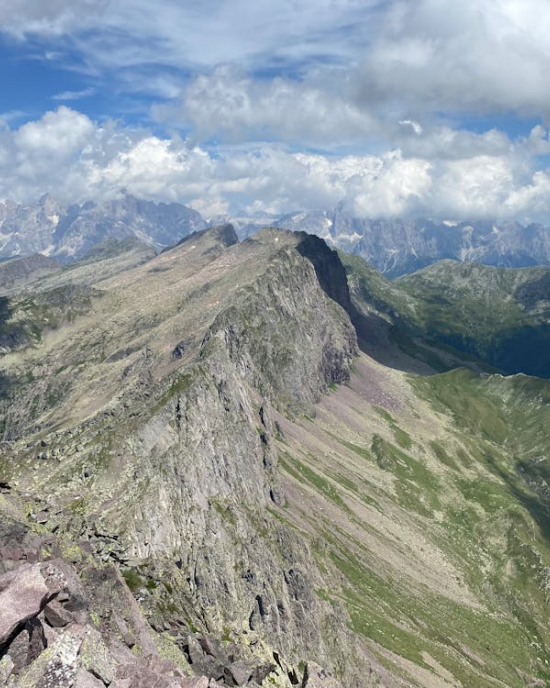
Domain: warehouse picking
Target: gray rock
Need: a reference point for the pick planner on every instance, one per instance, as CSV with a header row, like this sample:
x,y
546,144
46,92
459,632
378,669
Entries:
x,y
27,645
22,594
84,679
238,674
6,669
317,677
56,614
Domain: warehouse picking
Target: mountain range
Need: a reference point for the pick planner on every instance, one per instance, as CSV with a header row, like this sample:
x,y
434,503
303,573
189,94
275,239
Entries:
x,y
395,247
68,233
262,463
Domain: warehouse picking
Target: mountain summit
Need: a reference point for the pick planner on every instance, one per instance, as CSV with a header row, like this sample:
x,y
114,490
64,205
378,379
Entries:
x,y
68,233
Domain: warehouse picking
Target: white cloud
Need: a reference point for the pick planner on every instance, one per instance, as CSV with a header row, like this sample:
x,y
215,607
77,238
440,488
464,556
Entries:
x,y
74,95
233,107
201,33
74,158
50,18
400,56
480,55
415,126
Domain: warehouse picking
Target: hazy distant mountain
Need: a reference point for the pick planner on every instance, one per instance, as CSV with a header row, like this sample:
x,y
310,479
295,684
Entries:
x,y
398,246
68,233
395,247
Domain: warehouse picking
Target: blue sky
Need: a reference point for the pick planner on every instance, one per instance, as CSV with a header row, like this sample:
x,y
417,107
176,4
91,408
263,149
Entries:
x,y
394,108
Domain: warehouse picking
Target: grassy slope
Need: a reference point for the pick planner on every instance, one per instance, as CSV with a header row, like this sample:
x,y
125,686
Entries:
x,y
496,315
431,519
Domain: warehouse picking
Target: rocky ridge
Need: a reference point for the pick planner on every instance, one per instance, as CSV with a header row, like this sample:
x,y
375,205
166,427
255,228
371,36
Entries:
x,y
206,439
194,462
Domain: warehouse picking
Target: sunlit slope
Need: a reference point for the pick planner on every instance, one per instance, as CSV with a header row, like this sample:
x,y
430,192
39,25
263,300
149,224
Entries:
x,y
426,501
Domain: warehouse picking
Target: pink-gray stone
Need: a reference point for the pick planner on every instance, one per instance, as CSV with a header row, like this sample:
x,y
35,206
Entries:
x,y
84,679
22,594
56,614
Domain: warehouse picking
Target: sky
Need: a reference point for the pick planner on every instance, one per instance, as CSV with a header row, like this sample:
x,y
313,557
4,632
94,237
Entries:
x,y
389,108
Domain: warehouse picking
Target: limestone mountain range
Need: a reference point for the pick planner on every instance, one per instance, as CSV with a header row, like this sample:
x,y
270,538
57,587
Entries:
x,y
393,246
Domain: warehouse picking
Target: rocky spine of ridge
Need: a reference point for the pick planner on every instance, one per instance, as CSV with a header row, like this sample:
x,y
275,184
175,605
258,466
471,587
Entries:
x,y
173,481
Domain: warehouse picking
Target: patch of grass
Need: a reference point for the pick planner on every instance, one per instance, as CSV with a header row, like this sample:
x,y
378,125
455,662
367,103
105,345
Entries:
x,y
225,511
306,475
363,452
133,580
179,385
443,456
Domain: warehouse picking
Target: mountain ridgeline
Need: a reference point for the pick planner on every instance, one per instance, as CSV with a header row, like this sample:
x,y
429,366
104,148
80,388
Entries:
x,y
394,246
262,463
499,317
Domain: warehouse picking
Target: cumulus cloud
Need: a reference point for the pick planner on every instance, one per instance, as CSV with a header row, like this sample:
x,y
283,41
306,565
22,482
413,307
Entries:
x,y
480,55
75,159
232,107
385,79
407,56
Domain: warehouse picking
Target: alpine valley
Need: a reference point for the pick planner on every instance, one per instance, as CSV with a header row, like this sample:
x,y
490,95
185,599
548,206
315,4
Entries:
x,y
262,463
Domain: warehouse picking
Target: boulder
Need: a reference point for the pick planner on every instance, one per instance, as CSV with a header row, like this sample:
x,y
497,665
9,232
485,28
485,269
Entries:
x,y
96,658
238,674
84,679
27,645
56,614
195,682
22,595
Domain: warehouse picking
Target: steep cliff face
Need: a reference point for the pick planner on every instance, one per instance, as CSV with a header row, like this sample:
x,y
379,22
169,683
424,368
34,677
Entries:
x,y
176,470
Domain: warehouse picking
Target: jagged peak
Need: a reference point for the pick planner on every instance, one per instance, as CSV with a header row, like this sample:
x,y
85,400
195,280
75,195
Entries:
x,y
222,235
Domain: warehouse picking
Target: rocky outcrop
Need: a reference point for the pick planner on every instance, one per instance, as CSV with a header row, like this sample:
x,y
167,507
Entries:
x,y
78,626
285,336
224,234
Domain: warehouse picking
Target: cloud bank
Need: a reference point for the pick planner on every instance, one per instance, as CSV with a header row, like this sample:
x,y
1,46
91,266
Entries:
x,y
71,156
